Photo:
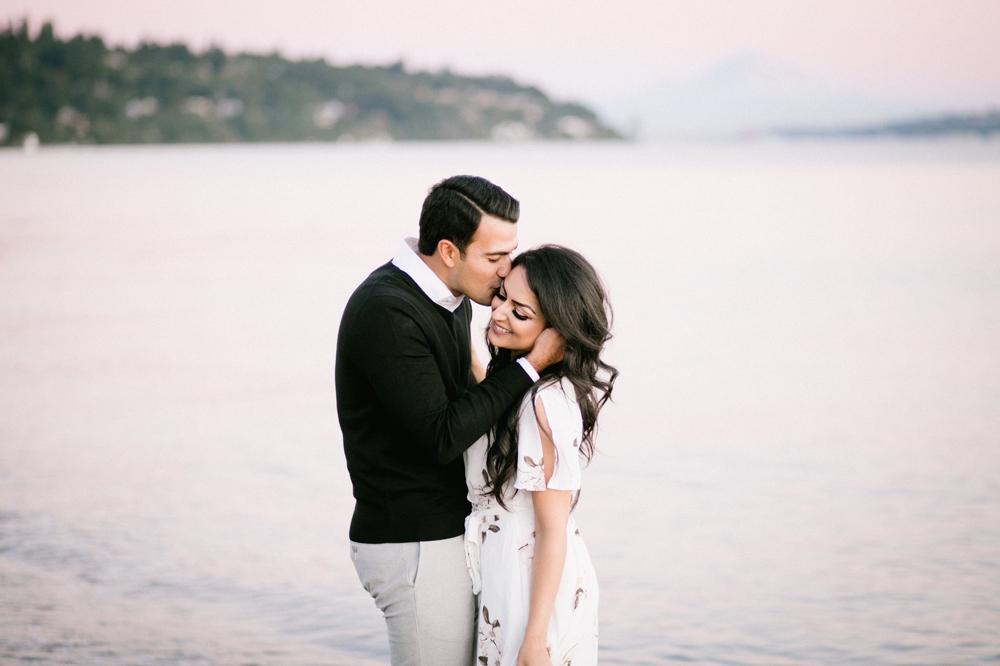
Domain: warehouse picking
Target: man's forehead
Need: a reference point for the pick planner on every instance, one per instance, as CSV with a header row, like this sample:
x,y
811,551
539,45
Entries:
x,y
496,249
499,251
495,237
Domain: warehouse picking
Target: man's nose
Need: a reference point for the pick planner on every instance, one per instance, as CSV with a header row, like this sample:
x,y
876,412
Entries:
x,y
504,269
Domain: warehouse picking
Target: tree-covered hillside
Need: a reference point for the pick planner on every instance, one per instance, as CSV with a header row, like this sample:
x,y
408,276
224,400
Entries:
x,y
80,90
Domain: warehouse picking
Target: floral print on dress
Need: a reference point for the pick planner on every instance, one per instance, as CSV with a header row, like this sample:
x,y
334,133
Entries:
x,y
490,647
526,552
500,544
530,474
488,523
580,594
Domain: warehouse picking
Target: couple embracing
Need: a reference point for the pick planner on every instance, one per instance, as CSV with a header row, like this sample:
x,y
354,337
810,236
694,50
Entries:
x,y
428,431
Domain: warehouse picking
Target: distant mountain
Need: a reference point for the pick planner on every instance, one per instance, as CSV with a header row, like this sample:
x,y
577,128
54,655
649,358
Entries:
x,y
81,91
748,93
985,124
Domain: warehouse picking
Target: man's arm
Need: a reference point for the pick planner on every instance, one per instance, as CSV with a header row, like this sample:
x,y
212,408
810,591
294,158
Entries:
x,y
396,357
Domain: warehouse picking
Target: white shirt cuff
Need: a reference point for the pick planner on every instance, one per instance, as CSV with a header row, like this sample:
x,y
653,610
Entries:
x,y
523,362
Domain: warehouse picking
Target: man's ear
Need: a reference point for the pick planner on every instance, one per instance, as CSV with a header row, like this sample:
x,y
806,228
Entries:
x,y
449,252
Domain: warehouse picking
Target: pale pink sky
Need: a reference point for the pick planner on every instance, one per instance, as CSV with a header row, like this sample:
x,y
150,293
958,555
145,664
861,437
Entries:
x,y
945,51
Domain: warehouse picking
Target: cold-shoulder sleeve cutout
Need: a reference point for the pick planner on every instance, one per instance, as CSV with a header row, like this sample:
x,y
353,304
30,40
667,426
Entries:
x,y
566,426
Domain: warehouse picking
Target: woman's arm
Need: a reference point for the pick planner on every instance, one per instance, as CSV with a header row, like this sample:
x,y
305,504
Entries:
x,y
552,509
478,371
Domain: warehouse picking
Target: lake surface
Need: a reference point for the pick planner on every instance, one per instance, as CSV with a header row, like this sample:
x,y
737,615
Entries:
x,y
801,466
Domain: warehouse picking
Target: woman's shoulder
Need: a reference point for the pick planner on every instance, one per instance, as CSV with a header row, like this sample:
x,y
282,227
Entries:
x,y
558,398
560,388
555,402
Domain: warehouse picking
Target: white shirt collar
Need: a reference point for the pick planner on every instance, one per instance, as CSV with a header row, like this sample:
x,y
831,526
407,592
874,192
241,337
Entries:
x,y
406,260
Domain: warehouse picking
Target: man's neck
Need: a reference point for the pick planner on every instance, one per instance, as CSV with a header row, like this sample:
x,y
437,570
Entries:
x,y
434,263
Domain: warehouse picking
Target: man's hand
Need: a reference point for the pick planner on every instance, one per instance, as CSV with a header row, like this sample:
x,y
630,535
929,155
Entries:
x,y
549,349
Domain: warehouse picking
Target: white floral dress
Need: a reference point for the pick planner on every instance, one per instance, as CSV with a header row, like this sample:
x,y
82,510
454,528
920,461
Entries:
x,y
500,544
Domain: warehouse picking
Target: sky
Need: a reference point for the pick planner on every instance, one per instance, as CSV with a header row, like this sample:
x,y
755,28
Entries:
x,y
946,52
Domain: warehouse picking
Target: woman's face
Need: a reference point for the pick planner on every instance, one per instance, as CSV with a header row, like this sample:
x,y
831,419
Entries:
x,y
516,320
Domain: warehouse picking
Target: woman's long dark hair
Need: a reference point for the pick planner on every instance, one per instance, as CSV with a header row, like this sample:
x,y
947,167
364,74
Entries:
x,y
573,301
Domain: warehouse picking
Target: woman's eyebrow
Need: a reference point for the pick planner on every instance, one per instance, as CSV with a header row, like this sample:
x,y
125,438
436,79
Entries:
x,y
523,305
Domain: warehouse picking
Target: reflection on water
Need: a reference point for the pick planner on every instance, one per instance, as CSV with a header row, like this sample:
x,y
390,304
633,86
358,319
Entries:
x,y
801,465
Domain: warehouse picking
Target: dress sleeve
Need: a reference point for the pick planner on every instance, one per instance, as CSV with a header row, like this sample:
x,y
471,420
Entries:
x,y
566,424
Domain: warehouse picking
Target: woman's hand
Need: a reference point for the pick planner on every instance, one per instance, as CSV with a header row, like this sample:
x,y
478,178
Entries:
x,y
533,653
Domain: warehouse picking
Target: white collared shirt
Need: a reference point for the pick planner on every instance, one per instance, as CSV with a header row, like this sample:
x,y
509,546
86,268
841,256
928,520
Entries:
x,y
408,261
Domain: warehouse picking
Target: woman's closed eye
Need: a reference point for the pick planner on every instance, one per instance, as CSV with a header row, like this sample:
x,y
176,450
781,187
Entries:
x,y
518,315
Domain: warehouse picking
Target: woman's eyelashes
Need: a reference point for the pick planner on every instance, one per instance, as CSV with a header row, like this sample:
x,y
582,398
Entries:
x,y
517,315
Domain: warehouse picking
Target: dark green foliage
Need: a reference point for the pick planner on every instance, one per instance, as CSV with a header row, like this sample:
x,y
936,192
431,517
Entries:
x,y
81,91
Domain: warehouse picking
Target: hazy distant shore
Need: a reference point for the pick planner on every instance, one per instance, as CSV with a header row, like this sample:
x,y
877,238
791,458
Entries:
x,y
984,125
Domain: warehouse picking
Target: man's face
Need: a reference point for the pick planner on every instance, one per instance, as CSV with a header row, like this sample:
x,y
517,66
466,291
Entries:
x,y
487,260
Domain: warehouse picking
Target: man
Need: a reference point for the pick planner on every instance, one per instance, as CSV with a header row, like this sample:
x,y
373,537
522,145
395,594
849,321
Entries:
x,y
409,407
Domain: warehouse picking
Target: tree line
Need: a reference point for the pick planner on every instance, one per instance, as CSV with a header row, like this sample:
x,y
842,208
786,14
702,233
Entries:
x,y
80,90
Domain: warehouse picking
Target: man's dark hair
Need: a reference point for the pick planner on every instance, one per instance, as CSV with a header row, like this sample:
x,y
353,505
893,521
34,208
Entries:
x,y
454,208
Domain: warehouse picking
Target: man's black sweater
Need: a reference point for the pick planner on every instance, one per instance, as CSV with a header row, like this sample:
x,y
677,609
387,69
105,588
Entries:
x,y
409,408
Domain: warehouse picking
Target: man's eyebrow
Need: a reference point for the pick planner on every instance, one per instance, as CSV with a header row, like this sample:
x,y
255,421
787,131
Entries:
x,y
498,253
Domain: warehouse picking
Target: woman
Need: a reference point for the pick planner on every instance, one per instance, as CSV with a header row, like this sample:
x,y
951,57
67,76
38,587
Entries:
x,y
529,565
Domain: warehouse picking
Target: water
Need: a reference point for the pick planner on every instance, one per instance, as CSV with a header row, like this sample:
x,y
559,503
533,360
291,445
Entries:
x,y
802,465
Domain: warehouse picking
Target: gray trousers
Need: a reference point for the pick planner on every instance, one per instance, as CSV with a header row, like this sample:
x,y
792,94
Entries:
x,y
425,594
